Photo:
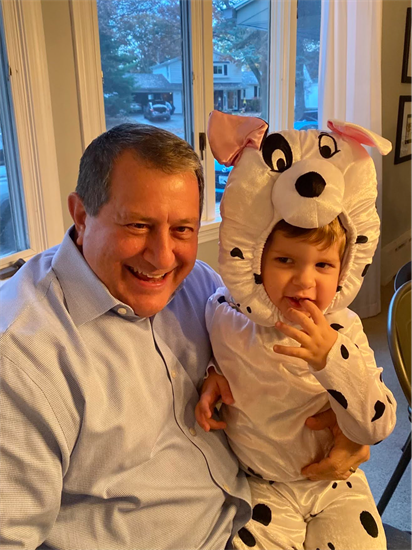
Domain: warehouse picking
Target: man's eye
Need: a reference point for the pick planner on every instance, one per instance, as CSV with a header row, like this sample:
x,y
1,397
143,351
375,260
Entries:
x,y
183,229
138,225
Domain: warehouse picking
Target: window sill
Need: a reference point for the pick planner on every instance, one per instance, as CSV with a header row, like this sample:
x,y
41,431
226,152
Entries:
x,y
209,230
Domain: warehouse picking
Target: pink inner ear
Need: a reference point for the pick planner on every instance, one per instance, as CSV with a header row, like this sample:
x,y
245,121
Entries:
x,y
359,136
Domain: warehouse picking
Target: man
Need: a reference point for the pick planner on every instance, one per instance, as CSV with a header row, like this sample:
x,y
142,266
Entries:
x,y
104,349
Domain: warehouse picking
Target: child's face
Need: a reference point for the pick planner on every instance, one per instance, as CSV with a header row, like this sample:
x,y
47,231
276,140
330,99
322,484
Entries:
x,y
294,270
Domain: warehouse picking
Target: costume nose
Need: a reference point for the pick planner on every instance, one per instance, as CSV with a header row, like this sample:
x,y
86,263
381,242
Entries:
x,y
310,185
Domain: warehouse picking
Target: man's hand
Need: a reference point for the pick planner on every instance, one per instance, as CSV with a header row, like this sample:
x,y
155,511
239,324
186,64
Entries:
x,y
316,337
215,387
344,454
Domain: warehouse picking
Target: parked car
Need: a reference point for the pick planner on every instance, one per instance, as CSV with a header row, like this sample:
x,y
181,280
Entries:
x,y
308,121
156,110
135,107
221,174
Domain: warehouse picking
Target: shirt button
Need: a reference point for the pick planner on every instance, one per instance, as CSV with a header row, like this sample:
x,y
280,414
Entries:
x,y
192,431
173,373
122,311
226,488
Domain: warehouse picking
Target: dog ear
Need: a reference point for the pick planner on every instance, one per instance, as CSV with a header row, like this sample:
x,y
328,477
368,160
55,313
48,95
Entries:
x,y
361,135
230,134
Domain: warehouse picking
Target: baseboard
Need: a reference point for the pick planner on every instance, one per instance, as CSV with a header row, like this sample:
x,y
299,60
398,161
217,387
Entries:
x,y
394,255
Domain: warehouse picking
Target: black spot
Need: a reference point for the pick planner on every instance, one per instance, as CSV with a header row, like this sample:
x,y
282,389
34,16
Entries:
x,y
330,545
237,253
379,410
369,524
377,443
258,278
262,514
277,142
238,305
344,351
310,185
389,401
254,473
340,398
339,288
362,239
336,326
380,377
221,299
365,269
334,485
246,536
248,309
349,484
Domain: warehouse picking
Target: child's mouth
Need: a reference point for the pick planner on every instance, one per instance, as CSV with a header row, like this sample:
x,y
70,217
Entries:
x,y
295,301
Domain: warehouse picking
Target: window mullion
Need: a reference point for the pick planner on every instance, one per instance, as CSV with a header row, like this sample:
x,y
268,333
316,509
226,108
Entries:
x,y
283,24
202,79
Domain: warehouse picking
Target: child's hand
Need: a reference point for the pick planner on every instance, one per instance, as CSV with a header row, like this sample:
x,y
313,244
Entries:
x,y
316,337
214,387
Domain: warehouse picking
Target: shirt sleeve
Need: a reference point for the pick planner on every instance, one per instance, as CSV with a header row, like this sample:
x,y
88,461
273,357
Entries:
x,y
32,446
365,408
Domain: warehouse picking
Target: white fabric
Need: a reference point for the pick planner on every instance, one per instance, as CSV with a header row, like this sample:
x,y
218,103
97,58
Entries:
x,y
275,394
308,515
350,89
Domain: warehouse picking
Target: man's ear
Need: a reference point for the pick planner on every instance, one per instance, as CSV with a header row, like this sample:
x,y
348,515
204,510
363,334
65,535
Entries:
x,y
79,215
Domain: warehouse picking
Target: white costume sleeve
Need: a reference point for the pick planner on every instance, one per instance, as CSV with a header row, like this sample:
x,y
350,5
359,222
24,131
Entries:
x,y
365,408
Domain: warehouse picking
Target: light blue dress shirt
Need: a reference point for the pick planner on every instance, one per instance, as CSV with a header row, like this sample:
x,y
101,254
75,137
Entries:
x,y
100,447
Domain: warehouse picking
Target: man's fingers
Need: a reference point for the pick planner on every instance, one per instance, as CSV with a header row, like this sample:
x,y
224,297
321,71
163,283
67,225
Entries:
x,y
325,419
225,392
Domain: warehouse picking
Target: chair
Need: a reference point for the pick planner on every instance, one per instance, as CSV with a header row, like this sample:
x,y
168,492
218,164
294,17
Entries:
x,y
399,339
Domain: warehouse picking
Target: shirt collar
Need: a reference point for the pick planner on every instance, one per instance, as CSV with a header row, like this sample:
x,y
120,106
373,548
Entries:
x,y
86,296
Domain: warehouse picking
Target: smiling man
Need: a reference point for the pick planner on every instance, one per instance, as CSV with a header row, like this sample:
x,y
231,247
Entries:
x,y
104,349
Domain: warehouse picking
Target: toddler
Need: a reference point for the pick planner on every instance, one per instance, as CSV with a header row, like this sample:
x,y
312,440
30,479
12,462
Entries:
x,y
314,357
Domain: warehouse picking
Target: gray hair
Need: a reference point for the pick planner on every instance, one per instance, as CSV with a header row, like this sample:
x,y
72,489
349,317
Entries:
x,y
154,146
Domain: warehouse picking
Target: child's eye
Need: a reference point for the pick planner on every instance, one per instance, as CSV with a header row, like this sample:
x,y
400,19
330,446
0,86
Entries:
x,y
283,260
323,265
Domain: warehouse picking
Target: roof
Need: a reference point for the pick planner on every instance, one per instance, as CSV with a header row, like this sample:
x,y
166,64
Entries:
x,y
145,82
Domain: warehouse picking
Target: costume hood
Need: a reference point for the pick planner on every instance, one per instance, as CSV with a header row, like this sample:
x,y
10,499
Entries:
x,y
307,178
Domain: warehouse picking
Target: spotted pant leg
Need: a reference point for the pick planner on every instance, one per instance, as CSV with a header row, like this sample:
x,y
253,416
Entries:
x,y
276,524
346,518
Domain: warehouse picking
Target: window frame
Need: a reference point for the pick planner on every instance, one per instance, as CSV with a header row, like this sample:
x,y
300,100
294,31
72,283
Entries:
x,y
29,82
282,50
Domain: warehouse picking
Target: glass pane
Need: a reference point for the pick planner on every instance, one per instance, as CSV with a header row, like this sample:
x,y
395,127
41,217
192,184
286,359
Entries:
x,y
307,64
141,55
13,224
240,64
7,238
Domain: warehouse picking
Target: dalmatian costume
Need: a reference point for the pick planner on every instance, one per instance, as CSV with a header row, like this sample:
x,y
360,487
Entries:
x,y
307,179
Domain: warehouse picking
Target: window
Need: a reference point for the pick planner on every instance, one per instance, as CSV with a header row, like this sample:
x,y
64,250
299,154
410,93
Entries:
x,y
307,64
31,216
172,47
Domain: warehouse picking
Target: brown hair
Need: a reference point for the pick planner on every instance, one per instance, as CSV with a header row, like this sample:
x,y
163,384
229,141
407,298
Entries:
x,y
327,235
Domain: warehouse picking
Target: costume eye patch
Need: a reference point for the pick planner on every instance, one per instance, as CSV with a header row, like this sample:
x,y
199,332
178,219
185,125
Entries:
x,y
327,146
277,153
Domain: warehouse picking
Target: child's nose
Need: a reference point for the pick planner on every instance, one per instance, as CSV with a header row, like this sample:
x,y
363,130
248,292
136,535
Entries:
x,y
304,278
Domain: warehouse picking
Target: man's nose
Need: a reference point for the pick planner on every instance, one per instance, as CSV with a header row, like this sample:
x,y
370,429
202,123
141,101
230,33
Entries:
x,y
160,250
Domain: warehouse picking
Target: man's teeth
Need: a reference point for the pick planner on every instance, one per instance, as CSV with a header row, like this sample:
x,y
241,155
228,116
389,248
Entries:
x,y
135,270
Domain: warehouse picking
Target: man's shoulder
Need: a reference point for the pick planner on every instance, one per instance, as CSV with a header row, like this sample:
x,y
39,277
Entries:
x,y
203,278
27,289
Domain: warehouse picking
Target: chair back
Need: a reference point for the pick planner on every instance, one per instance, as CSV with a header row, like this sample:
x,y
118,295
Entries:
x,y
403,275
399,336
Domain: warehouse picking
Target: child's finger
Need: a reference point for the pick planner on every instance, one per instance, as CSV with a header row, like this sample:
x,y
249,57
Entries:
x,y
301,353
315,313
225,392
200,419
293,332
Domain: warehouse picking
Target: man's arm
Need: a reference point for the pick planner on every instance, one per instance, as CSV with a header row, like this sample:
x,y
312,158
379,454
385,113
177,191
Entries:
x,y
32,448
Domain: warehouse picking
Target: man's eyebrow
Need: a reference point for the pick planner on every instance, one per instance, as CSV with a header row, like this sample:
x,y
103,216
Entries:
x,y
133,217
